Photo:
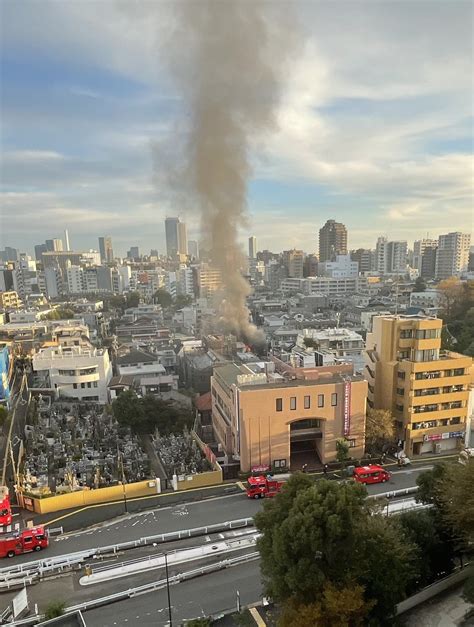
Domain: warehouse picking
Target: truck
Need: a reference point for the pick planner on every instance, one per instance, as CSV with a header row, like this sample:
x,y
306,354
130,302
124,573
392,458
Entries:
x,y
262,486
33,539
5,507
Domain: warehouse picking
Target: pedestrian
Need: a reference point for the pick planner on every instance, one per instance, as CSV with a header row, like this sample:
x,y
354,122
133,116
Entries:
x,y
325,470
305,467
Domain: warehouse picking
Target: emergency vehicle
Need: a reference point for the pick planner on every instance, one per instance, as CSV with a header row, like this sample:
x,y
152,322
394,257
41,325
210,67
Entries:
x,y
371,474
5,507
25,541
261,487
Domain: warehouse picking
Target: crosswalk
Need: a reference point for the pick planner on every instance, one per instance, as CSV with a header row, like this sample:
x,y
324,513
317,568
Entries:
x,y
10,528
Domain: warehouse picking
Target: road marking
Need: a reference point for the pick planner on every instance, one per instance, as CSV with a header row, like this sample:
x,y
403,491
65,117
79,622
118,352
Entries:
x,y
241,486
257,618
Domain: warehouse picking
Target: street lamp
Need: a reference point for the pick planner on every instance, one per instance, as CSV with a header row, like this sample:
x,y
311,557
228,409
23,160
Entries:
x,y
168,589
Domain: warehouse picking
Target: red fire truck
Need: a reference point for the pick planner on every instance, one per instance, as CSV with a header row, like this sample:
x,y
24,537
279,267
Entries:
x,y
261,487
5,507
33,539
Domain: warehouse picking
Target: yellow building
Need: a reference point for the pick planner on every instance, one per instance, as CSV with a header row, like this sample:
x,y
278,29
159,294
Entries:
x,y
10,300
270,414
426,389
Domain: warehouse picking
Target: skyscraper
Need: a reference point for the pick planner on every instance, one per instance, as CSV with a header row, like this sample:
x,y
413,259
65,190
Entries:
x,y
252,247
39,250
419,247
54,245
106,250
66,239
193,249
176,237
332,240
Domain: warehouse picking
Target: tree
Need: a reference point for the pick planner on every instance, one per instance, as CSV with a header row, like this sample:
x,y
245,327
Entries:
x,y
379,430
456,497
54,609
163,298
61,313
182,300
342,451
452,291
132,299
428,486
336,608
324,534
310,343
420,285
145,415
435,555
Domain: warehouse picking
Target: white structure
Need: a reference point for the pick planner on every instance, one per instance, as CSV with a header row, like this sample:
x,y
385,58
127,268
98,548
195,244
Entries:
x,y
390,257
343,267
452,257
75,279
91,257
252,247
78,372
148,373
323,285
186,319
334,345
419,248
432,299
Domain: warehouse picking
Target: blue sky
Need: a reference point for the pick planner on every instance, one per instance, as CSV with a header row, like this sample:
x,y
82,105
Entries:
x,y
374,125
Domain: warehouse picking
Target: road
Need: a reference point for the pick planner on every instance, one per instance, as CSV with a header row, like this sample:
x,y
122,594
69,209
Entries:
x,y
185,516
203,596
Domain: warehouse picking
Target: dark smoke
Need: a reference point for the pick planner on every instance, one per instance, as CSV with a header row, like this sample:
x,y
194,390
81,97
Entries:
x,y
228,59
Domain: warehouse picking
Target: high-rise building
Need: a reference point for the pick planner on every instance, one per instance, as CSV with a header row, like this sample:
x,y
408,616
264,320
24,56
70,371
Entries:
x,y
452,257
364,258
66,240
252,247
133,253
208,280
390,257
294,263
332,240
428,262
193,249
39,250
176,237
54,245
426,389
9,254
106,250
419,248
182,239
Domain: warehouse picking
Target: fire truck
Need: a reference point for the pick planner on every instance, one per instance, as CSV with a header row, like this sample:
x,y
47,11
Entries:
x,y
33,539
5,507
263,487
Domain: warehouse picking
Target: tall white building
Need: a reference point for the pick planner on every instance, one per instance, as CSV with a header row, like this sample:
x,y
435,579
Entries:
x,y
419,247
343,267
252,247
390,257
452,256
176,237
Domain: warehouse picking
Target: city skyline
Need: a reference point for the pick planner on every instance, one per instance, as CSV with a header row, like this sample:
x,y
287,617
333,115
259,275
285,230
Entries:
x,y
383,147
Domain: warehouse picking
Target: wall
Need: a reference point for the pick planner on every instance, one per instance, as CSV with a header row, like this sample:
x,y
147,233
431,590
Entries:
x,y
203,479
89,497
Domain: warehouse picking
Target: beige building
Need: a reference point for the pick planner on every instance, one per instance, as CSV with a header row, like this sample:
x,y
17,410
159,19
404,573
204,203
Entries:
x,y
10,300
208,280
271,414
426,389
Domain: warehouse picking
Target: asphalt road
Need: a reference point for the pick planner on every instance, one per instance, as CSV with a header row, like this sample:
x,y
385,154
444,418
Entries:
x,y
184,516
204,596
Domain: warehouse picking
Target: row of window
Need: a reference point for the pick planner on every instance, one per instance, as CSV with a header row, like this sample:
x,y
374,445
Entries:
x,y
86,385
431,424
420,334
444,390
435,407
306,402
435,374
78,373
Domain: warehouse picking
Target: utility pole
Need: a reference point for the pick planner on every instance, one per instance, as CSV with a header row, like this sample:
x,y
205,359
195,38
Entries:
x,y
168,589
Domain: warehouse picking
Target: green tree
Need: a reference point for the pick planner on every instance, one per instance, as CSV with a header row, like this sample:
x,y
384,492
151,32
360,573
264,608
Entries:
x,y
428,485
54,609
379,430
342,451
144,415
128,410
182,300
61,313
324,534
456,498
163,298
452,291
132,299
435,554
420,285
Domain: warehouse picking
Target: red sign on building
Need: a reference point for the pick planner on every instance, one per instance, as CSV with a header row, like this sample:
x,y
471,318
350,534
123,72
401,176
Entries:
x,y
347,408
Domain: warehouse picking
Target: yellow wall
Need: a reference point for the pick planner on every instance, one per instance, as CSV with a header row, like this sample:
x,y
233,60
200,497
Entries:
x,y
202,480
83,498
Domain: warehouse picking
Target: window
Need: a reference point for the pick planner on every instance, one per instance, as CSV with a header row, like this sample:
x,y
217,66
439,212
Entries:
x,y
399,407
403,354
83,385
334,399
74,385
292,402
400,391
279,404
406,334
427,334
307,402
401,375
320,400
280,463
351,443
455,421
458,372
95,384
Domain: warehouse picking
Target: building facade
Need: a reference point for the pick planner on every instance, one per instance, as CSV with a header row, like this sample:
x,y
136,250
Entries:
x,y
332,240
426,389
279,419
452,256
10,300
105,249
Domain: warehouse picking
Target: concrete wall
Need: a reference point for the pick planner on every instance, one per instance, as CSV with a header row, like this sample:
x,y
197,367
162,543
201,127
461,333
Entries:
x,y
203,479
83,498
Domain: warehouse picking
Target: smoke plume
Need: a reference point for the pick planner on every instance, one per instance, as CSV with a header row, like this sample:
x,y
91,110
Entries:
x,y
228,59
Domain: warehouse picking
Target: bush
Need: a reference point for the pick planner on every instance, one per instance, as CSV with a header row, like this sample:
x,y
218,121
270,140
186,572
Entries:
x,y
54,609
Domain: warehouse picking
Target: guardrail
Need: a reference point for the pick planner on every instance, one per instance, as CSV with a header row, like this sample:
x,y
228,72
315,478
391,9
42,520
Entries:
x,y
394,493
10,576
149,587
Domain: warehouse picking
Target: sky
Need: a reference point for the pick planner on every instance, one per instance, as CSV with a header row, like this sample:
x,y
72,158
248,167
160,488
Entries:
x,y
374,127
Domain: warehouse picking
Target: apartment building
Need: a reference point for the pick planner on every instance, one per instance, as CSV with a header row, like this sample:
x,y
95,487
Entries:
x,y
426,389
272,414
332,240
10,300
208,280
452,256
79,372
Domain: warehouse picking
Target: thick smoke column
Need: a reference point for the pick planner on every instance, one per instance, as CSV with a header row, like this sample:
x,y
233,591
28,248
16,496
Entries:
x,y
227,57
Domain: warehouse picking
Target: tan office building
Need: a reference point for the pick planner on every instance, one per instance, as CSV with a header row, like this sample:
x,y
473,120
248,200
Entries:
x,y
426,389
270,414
10,300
